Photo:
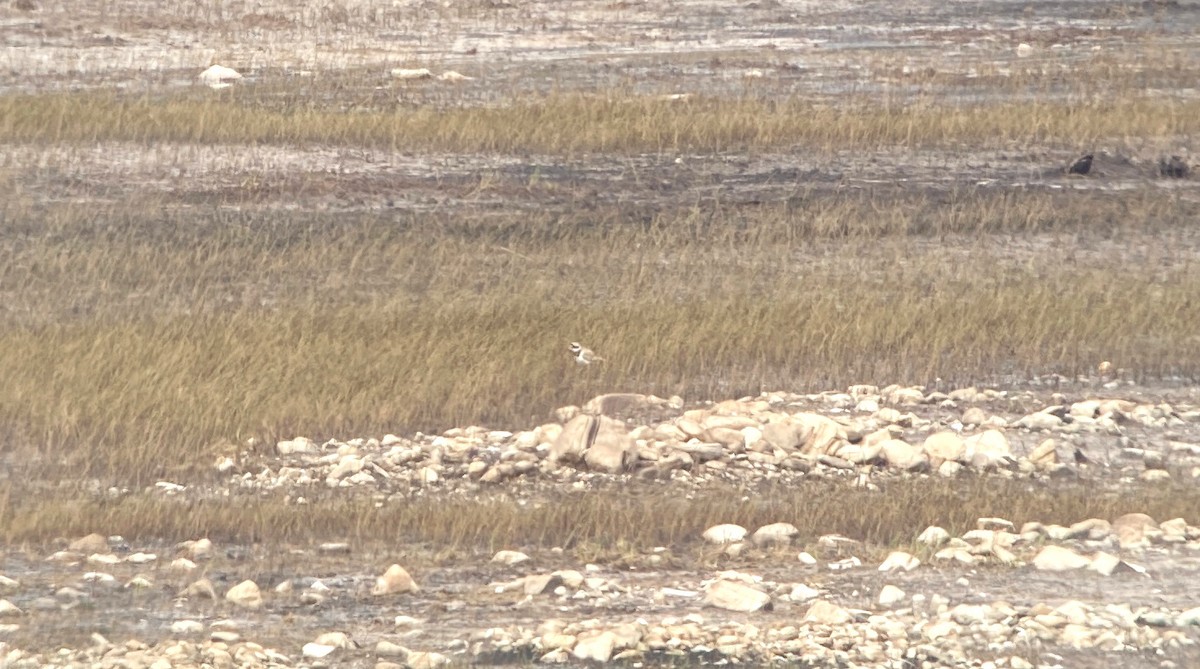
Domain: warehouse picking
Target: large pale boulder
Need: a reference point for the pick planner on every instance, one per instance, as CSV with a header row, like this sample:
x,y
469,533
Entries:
x,y
596,646
92,543
600,442
1131,529
903,455
1045,454
784,434
820,432
822,612
395,580
724,534
245,594
615,403
1057,558
988,449
855,453
735,596
612,449
576,436
944,446
775,533
900,561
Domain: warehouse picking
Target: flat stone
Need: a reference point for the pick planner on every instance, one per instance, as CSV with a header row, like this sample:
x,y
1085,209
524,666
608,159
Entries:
x,y
735,596
775,533
510,557
724,534
1057,558
899,561
823,612
944,446
595,646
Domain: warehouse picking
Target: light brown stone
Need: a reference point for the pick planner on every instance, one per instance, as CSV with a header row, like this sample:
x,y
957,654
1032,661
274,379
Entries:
x,y
735,596
944,446
245,594
395,580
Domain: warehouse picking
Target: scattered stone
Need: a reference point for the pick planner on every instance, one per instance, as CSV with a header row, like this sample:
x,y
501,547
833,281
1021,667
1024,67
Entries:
x,y
890,595
317,650
510,558
822,612
595,646
1057,558
933,536
944,446
219,76
411,73
724,534
92,543
775,533
1131,530
394,581
245,594
735,596
899,560
201,588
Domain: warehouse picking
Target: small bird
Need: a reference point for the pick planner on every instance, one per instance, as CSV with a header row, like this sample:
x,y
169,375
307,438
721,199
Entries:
x,y
1175,168
1081,166
584,355
1080,457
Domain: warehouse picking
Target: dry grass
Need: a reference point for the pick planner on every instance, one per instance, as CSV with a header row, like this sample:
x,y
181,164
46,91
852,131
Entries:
x,y
571,123
141,334
605,523
136,339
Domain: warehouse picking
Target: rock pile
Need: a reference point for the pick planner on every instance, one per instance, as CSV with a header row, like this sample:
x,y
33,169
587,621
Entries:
x,y
865,430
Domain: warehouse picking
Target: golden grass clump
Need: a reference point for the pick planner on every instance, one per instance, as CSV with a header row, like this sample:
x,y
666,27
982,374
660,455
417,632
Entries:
x,y
605,522
588,122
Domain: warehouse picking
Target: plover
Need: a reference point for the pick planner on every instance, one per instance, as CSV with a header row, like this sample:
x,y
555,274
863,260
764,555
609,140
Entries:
x,y
1081,166
584,355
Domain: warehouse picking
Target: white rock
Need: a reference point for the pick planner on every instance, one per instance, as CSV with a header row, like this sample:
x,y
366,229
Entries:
x,y
182,564
890,595
183,627
595,646
317,650
802,593
1057,558
245,594
775,533
735,596
823,612
219,76
395,580
510,557
724,534
297,446
934,536
411,73
335,639
900,560
1024,50
422,660
451,75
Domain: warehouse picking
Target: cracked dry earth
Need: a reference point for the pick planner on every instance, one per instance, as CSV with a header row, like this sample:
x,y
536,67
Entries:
x,y
1010,592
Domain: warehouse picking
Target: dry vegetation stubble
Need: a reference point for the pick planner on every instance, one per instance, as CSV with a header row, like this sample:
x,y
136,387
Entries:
x,y
144,333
